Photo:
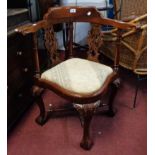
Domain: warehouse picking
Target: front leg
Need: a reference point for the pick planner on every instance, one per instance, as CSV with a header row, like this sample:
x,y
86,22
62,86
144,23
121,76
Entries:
x,y
86,112
37,93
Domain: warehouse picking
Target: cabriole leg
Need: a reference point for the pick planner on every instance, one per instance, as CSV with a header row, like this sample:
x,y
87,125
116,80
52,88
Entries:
x,y
37,92
86,112
114,88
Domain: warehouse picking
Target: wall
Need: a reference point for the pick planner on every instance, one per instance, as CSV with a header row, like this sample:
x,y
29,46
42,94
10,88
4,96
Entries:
x,y
80,29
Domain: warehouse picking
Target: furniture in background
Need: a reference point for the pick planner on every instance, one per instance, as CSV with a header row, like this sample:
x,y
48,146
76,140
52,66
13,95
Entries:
x,y
44,5
133,45
19,62
133,48
19,65
138,80
17,4
82,82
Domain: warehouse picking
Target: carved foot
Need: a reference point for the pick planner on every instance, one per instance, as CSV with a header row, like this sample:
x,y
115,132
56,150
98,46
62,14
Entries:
x,y
86,144
41,120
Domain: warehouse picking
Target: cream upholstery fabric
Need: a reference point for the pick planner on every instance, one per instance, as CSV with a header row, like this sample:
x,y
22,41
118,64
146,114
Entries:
x,y
78,75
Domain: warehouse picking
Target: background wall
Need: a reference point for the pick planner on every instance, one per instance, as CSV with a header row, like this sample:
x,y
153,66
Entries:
x,y
80,29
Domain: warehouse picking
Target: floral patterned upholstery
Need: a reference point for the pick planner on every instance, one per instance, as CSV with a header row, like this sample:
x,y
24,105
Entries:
x,y
78,75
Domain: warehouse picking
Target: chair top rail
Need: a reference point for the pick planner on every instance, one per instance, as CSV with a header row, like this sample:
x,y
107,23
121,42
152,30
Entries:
x,y
73,14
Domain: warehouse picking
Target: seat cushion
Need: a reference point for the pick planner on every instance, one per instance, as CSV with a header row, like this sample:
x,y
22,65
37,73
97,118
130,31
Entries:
x,y
78,75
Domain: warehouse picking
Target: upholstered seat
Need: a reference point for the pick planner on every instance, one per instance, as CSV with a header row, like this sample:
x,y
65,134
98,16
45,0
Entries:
x,y
78,75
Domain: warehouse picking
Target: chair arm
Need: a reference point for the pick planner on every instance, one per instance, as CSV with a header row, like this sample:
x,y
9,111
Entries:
x,y
32,28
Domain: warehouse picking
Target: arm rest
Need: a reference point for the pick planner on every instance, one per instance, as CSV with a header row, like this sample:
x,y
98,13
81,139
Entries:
x,y
27,29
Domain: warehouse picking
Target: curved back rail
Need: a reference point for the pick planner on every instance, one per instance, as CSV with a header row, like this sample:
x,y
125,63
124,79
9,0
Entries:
x,y
73,14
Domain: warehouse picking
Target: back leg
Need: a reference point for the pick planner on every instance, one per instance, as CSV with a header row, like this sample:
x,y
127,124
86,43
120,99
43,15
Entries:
x,y
114,87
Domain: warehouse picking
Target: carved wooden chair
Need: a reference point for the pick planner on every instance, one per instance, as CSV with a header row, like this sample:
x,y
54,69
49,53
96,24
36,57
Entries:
x,y
83,82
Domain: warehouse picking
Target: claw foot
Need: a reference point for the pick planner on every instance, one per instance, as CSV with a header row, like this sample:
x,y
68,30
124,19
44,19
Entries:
x,y
41,120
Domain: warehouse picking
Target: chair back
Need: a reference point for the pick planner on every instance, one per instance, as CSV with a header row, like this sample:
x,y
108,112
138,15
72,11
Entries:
x,y
72,14
68,15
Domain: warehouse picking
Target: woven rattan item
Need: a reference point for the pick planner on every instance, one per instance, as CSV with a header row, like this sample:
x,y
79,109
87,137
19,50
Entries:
x,y
133,48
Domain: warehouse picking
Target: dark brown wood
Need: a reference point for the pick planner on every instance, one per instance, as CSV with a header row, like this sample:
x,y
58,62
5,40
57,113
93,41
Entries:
x,y
70,39
69,15
44,5
19,70
114,88
37,93
19,64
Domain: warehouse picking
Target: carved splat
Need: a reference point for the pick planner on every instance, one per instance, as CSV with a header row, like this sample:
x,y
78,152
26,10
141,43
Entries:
x,y
51,45
94,41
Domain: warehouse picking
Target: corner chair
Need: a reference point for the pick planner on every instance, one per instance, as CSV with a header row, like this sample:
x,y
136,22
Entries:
x,y
82,82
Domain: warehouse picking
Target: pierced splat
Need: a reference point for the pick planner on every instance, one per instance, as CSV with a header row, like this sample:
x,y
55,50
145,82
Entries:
x,y
95,41
51,45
